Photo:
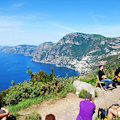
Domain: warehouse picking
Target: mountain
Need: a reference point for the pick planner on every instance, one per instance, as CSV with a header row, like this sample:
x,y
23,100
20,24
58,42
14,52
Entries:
x,y
80,51
74,50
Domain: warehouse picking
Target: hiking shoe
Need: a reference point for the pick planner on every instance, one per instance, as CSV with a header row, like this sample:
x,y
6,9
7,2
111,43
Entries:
x,y
115,86
105,88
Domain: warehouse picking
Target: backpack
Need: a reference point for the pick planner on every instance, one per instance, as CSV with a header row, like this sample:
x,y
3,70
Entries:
x,y
102,113
11,117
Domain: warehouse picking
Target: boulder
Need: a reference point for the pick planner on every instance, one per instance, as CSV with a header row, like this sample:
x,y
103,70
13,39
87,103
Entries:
x,y
79,85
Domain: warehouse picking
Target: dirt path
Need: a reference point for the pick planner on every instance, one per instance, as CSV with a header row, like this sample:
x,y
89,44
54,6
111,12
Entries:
x,y
67,108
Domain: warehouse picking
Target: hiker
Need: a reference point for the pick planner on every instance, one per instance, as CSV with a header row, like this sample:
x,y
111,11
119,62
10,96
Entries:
x,y
87,108
3,114
103,78
114,110
117,74
50,117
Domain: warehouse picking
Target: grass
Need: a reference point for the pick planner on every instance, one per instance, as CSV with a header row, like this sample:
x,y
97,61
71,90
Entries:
x,y
33,116
68,88
88,79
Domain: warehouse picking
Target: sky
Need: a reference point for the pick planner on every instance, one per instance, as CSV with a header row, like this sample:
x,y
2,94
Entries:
x,y
33,22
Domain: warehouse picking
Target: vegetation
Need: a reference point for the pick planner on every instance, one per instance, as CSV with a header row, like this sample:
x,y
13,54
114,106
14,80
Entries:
x,y
82,93
40,87
113,62
88,79
33,116
72,46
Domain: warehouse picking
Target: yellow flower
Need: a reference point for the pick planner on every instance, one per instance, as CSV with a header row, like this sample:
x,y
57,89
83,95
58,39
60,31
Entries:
x,y
105,118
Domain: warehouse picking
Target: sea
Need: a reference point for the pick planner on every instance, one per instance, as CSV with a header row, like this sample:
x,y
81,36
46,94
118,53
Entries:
x,y
14,67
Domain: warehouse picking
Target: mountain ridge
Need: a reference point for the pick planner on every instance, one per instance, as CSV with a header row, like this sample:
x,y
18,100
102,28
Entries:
x,y
74,50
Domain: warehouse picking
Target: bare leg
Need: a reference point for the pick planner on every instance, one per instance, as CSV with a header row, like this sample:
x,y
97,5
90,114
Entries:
x,y
111,113
4,118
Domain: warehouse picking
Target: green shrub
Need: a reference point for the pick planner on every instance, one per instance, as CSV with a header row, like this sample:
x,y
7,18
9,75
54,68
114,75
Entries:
x,y
82,93
34,89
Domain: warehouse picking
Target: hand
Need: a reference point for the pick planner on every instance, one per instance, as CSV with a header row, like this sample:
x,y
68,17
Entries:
x,y
104,76
92,100
7,112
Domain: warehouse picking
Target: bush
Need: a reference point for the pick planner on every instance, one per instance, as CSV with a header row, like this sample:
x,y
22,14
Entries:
x,y
29,89
33,89
82,93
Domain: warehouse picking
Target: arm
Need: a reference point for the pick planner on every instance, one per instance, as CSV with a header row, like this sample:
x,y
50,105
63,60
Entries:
x,y
104,76
92,100
4,114
115,107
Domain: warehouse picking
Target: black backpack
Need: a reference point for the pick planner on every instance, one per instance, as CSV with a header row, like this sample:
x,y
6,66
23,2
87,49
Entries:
x,y
102,113
11,117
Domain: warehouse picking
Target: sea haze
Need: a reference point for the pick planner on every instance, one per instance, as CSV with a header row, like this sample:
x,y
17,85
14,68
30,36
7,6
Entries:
x,y
14,67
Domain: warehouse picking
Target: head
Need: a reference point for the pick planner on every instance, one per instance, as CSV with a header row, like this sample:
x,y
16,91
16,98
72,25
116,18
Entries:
x,y
50,117
88,96
119,68
101,67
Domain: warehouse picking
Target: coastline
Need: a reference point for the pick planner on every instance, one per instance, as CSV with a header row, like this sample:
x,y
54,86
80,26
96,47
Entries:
x,y
78,70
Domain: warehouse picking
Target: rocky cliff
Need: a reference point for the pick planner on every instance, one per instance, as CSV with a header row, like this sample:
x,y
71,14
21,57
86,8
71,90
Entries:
x,y
74,50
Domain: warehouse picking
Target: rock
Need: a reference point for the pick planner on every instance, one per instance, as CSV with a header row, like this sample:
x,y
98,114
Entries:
x,y
79,85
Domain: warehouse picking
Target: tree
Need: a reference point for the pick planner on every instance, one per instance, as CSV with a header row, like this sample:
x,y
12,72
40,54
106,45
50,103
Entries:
x,y
30,73
12,82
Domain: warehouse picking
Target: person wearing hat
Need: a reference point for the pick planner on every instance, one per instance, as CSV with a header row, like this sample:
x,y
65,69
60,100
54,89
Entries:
x,y
114,110
87,108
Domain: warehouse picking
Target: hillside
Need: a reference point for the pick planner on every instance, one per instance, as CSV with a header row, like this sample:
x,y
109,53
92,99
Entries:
x,y
67,108
74,50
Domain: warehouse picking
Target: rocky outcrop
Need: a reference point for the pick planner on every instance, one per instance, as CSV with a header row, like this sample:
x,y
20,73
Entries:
x,y
79,85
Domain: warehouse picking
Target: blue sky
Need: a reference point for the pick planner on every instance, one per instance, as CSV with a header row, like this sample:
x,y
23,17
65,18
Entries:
x,y
36,21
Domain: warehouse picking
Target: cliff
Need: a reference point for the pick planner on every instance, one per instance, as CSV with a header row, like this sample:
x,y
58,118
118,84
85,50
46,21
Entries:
x,y
75,50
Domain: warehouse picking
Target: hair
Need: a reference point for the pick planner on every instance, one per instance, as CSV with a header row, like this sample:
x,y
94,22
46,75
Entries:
x,y
50,117
88,96
118,67
100,66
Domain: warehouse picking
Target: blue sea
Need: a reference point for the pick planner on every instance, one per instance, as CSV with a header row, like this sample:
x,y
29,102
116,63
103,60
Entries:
x,y
14,67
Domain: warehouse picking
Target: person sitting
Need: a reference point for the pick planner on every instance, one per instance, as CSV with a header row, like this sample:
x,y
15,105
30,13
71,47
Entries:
x,y
117,74
87,108
3,114
114,110
103,77
50,117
